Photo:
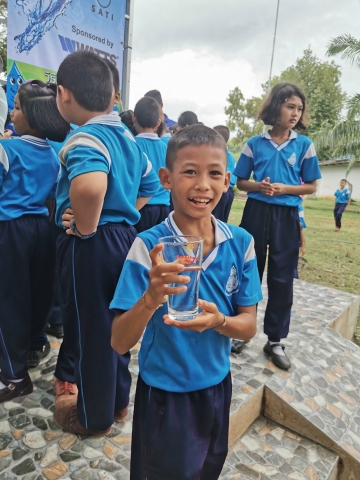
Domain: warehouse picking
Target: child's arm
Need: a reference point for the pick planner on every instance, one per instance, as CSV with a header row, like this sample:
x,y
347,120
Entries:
x,y
242,326
348,205
264,187
302,241
306,189
87,192
141,202
128,327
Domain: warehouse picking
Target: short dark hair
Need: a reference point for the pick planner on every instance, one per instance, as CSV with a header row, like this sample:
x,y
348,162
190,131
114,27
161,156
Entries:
x,y
89,79
147,112
126,118
187,118
224,132
194,136
155,94
38,103
280,93
115,74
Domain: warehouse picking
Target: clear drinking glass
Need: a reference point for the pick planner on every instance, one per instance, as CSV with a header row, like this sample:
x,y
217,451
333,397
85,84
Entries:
x,y
187,250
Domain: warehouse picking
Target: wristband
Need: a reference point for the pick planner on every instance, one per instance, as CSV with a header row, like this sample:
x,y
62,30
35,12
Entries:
x,y
77,233
152,309
222,324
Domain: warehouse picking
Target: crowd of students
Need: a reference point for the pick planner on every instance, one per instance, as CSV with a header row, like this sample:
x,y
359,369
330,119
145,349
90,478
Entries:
x,y
125,181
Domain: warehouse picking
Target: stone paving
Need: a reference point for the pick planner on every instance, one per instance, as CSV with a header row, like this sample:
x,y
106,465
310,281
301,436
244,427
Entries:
x,y
322,385
267,450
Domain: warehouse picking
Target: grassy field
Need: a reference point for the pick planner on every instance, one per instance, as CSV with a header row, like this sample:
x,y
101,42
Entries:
x,y
332,258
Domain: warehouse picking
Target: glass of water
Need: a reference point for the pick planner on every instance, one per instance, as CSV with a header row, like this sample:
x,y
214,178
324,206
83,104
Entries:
x,y
188,251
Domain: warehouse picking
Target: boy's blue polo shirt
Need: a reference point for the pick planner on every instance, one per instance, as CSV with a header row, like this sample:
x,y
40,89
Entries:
x,y
183,361
166,138
28,172
286,163
155,150
342,196
230,168
103,145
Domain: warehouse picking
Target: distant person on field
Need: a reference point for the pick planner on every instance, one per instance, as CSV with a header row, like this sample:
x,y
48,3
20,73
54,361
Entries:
x,y
342,201
222,209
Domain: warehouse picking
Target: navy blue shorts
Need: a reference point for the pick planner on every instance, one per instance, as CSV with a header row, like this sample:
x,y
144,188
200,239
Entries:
x,y
152,215
180,436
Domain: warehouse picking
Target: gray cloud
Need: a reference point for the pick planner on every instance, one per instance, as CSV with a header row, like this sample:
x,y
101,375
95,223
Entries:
x,y
244,28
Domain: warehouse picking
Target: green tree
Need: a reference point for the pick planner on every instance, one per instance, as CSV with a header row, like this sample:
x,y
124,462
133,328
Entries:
x,y
3,32
344,136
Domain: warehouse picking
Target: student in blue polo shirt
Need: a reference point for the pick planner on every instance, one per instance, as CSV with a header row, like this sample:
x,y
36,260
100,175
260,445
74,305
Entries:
x,y
342,200
181,411
277,160
146,121
28,172
105,179
222,209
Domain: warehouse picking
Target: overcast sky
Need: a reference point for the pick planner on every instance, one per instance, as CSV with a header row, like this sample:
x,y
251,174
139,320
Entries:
x,y
196,51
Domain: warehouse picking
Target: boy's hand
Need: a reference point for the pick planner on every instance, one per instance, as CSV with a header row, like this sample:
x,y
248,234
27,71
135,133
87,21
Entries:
x,y
67,217
279,188
161,275
209,318
302,251
266,188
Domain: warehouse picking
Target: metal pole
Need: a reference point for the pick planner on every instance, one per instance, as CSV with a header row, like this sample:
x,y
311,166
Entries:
x,y
129,20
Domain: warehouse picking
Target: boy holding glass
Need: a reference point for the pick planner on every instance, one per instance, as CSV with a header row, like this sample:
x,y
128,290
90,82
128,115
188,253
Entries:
x,y
181,411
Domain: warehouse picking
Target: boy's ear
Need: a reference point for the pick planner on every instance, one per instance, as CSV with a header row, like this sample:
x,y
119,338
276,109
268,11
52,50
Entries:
x,y
117,97
157,125
227,181
64,94
165,178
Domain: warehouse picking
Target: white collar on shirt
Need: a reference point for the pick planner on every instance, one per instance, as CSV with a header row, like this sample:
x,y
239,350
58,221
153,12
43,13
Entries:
x,y
150,136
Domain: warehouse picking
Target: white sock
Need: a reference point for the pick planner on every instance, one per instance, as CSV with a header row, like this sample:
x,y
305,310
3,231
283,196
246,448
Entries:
x,y
2,386
278,349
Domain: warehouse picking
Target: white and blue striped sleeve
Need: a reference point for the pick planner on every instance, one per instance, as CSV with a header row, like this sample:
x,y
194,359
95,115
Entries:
x,y
83,153
4,164
136,268
250,287
310,169
150,182
245,164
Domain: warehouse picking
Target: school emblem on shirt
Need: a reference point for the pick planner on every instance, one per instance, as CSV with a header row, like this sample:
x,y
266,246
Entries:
x,y
232,285
292,160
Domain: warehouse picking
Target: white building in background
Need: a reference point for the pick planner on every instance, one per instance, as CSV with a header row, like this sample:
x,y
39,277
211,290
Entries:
x,y
332,172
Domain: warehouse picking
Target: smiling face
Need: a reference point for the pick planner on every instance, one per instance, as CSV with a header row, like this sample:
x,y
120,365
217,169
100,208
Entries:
x,y
290,112
21,125
197,180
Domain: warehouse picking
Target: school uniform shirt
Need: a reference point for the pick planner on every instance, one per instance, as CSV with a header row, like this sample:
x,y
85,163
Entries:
x,y
286,163
28,172
230,168
184,361
103,145
342,196
166,138
301,215
155,150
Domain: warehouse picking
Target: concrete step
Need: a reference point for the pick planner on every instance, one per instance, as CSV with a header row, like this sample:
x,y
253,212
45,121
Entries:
x,y
268,451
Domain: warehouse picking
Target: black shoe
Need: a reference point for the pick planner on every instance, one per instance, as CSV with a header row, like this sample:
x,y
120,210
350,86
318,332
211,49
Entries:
x,y
237,346
14,390
280,361
35,356
55,330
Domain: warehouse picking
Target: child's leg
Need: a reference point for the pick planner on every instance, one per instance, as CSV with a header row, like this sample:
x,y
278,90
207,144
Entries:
x,y
17,241
256,221
90,271
180,436
338,211
282,261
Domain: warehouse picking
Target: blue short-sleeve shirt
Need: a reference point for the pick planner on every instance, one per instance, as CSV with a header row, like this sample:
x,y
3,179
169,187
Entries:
x,y
155,150
286,163
185,361
230,168
342,196
29,169
103,145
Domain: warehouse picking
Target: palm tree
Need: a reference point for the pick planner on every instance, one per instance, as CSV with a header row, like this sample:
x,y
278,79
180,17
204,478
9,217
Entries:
x,y
344,136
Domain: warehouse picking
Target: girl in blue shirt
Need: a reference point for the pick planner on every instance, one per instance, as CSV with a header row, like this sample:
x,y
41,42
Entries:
x,y
28,172
277,160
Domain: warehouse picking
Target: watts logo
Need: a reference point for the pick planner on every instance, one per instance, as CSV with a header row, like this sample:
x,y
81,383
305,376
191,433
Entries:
x,y
100,9
71,46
